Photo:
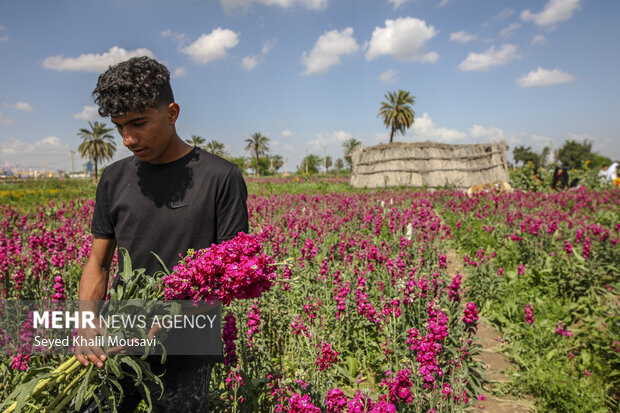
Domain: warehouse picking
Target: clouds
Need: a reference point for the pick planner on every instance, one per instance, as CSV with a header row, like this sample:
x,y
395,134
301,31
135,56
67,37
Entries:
x,y
5,120
404,39
543,77
26,107
49,151
491,57
424,128
87,113
250,62
462,37
212,46
180,71
92,62
287,134
555,11
389,76
316,5
329,140
328,49
398,3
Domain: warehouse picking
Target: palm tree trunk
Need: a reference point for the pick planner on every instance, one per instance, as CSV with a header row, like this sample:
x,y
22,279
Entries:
x,y
96,170
256,164
392,135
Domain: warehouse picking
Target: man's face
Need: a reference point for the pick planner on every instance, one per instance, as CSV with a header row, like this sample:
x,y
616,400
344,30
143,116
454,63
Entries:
x,y
149,134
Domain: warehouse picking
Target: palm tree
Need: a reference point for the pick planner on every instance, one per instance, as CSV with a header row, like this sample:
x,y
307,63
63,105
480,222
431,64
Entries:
x,y
348,145
257,144
397,112
276,162
216,147
97,144
196,140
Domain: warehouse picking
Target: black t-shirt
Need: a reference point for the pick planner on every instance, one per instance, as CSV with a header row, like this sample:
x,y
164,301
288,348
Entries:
x,y
193,202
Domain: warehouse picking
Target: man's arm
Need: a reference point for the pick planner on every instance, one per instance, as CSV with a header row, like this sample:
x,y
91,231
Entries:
x,y
93,286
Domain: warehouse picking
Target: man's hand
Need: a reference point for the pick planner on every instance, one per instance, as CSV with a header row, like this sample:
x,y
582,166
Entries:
x,y
87,354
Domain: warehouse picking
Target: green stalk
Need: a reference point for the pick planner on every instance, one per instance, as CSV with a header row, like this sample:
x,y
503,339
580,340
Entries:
x,y
64,392
68,365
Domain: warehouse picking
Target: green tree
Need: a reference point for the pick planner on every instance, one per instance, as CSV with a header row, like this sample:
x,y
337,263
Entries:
x,y
196,140
348,146
525,155
574,154
397,112
327,162
310,164
240,161
276,162
257,145
216,147
97,144
339,164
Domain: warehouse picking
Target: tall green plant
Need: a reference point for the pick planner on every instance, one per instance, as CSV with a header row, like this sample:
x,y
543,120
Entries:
x,y
397,112
97,144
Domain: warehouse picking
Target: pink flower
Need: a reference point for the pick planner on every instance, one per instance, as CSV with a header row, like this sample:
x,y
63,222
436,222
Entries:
x,y
529,313
327,357
253,323
301,404
470,317
229,335
234,269
335,401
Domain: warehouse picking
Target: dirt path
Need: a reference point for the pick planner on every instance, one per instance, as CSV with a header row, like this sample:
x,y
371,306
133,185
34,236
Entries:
x,y
492,358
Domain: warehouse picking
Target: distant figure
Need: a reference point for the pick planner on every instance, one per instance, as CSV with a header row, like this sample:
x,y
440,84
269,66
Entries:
x,y
560,178
610,175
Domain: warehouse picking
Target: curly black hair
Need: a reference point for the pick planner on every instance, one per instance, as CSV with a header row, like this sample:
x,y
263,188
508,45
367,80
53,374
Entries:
x,y
134,85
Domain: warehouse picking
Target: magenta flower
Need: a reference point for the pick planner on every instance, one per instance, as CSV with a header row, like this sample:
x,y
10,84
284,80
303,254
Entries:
x,y
470,318
229,335
234,269
327,357
335,401
253,323
529,313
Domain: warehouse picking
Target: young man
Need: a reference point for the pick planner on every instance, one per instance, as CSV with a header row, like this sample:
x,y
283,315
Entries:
x,y
167,198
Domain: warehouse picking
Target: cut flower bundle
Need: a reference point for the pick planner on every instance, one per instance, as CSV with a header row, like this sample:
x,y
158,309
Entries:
x,y
234,269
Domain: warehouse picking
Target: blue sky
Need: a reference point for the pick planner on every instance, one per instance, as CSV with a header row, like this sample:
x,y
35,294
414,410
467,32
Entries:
x,y
310,74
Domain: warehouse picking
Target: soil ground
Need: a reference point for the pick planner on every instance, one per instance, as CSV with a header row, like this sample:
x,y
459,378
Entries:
x,y
492,358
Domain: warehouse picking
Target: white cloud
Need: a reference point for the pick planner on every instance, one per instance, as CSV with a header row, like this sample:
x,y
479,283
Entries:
x,y
287,134
87,113
26,107
316,5
539,39
328,49
93,62
508,30
333,139
397,3
403,38
555,11
543,77
443,3
481,133
212,46
504,14
249,62
4,39
491,57
180,71
424,128
5,121
268,46
462,37
389,76
49,152
176,36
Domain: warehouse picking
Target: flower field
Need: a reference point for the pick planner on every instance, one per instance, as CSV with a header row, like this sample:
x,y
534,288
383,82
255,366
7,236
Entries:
x,y
365,315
